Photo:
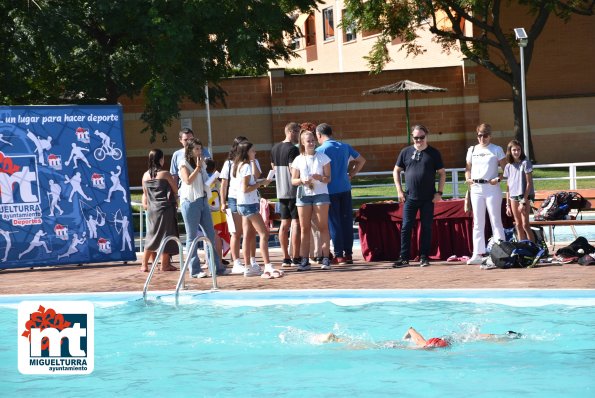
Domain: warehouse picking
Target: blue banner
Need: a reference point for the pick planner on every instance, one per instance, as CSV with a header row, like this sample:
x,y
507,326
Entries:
x,y
64,186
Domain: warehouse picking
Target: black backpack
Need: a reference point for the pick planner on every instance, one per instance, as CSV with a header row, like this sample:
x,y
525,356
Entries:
x,y
516,254
558,205
540,239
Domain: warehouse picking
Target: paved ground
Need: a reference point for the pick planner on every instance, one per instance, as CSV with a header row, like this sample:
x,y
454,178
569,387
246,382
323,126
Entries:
x,y
115,277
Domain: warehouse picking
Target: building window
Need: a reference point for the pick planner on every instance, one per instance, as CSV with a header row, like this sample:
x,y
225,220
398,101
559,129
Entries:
x,y
310,31
296,43
328,23
349,31
368,33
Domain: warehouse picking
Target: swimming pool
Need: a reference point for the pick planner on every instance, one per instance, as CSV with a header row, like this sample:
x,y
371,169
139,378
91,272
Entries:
x,y
259,343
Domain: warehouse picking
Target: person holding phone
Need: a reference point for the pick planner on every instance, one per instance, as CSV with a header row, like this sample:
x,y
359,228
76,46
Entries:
x,y
194,199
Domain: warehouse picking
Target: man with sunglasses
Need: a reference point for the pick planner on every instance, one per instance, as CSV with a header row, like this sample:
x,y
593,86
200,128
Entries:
x,y
420,162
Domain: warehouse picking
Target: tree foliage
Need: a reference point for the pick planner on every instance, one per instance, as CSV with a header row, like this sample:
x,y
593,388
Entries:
x,y
95,51
492,44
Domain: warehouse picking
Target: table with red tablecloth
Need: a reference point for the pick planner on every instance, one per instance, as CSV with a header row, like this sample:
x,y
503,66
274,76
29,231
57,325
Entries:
x,y
380,231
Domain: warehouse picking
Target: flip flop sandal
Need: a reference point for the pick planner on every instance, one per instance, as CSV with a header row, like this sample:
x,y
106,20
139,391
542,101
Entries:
x,y
565,260
267,275
277,273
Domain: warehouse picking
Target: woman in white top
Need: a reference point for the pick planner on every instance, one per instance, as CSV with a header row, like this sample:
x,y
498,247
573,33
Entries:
x,y
311,173
483,176
244,168
194,198
229,194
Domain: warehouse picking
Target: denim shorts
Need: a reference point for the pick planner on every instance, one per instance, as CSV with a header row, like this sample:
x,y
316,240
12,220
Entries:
x,y
519,197
232,204
248,210
314,200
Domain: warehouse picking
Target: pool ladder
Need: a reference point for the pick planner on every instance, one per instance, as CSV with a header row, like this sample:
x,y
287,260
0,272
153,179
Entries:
x,y
210,257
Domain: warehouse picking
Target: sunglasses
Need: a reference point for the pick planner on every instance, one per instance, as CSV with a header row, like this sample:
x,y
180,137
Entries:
x,y
482,135
420,138
416,156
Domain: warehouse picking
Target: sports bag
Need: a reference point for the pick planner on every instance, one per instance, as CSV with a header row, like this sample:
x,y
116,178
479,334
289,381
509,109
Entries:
x,y
515,254
540,239
558,205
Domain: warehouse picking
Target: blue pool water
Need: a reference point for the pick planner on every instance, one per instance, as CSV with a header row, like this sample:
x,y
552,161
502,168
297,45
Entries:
x,y
248,344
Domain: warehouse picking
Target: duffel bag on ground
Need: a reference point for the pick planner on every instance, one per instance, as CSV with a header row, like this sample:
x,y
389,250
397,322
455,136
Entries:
x,y
516,254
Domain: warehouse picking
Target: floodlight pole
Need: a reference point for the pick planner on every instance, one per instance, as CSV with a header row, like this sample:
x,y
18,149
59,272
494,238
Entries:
x,y
208,109
522,44
407,116
524,100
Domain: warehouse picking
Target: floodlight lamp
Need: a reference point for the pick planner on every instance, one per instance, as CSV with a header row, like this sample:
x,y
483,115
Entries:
x,y
521,36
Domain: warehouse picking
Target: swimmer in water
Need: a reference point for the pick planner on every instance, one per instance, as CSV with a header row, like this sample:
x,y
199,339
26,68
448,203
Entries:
x,y
414,336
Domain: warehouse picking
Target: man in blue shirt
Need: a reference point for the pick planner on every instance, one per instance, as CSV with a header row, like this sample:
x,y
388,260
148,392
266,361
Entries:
x,y
185,135
346,162
420,162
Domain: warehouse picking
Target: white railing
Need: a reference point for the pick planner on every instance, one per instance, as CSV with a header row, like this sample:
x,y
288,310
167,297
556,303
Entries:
x,y
454,181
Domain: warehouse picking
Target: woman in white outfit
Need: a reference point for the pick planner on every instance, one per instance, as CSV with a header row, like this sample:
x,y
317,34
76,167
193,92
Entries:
x,y
244,168
229,193
483,176
311,173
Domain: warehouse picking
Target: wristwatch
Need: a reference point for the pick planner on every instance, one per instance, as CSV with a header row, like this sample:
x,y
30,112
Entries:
x,y
439,193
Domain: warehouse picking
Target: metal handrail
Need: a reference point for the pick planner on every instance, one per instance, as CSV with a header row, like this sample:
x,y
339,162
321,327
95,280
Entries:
x,y
156,261
210,255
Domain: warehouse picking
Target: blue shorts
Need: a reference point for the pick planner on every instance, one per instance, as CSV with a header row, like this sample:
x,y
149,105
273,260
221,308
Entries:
x,y
314,200
248,210
232,203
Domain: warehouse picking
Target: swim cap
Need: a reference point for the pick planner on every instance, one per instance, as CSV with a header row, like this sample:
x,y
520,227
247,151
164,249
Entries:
x,y
514,335
436,342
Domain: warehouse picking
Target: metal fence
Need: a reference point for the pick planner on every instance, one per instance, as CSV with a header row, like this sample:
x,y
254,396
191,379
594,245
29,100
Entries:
x,y
456,178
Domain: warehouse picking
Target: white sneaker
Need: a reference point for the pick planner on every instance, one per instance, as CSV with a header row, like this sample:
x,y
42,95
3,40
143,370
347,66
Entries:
x,y
475,260
238,267
253,261
252,270
200,275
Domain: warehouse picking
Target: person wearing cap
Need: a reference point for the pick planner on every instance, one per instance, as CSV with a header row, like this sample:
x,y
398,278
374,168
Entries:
x,y
483,176
412,335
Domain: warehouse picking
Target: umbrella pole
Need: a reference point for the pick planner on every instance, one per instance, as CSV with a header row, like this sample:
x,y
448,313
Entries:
x,y
407,114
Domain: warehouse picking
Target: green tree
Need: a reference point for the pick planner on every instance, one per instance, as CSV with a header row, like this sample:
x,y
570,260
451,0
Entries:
x,y
95,51
492,45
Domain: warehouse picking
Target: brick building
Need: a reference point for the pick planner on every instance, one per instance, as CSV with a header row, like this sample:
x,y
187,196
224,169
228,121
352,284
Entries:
x,y
560,92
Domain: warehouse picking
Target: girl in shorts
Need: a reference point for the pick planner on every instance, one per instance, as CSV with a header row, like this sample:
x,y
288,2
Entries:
x,y
229,194
311,173
248,203
520,190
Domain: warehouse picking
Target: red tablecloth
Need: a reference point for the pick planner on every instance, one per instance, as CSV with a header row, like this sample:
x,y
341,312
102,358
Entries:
x,y
452,231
